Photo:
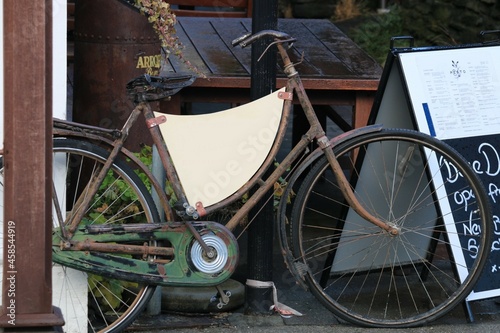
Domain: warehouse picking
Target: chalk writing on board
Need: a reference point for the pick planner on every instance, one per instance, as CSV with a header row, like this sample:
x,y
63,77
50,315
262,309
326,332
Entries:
x,y
453,93
484,157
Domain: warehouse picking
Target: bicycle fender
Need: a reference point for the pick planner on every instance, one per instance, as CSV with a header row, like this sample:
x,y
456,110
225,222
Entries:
x,y
318,152
295,266
346,136
61,134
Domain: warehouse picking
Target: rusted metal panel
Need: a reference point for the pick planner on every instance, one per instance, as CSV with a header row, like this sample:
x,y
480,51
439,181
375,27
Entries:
x,y
113,44
106,250
144,250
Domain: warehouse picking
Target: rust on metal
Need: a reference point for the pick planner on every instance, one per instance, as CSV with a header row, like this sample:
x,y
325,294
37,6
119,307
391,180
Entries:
x,y
153,122
286,95
84,200
162,272
121,248
72,129
200,209
164,154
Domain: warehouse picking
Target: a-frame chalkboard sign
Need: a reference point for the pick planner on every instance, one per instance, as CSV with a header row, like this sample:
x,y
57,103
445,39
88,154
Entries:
x,y
452,93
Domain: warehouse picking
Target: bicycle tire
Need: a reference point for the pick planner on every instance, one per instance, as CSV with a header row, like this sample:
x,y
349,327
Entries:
x,y
107,305
368,277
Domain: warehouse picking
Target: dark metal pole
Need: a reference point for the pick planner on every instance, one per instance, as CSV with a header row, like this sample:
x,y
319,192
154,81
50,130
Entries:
x,y
260,232
27,264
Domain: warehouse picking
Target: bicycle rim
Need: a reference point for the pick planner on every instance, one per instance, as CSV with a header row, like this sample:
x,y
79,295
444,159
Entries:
x,y
371,278
90,302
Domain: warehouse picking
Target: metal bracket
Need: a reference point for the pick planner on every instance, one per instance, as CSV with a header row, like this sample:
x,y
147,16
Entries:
x,y
152,122
224,297
323,142
200,209
286,95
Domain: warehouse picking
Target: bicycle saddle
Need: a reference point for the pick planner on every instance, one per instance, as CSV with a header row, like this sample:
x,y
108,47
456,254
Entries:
x,y
153,88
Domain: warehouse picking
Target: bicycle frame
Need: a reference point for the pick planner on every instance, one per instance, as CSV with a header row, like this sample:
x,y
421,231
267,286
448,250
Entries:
x,y
347,264
185,209
315,132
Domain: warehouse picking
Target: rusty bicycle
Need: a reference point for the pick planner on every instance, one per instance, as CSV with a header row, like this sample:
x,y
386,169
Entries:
x,y
364,222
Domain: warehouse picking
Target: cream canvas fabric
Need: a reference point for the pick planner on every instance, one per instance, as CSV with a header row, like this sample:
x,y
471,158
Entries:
x,y
215,154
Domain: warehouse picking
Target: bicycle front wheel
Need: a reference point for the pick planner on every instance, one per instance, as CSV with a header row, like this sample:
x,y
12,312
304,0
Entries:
x,y
89,302
369,277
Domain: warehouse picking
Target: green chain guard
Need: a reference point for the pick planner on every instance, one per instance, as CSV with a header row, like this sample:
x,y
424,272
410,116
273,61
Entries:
x,y
178,272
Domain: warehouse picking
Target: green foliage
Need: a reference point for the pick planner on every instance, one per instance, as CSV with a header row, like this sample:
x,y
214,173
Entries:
x,y
116,201
375,34
169,190
146,157
108,292
163,20
279,189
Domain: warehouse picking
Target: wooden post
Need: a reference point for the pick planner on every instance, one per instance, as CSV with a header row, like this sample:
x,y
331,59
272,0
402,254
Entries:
x,y
260,232
27,264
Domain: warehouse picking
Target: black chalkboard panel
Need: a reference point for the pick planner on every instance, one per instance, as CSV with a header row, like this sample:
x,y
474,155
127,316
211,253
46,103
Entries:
x,y
483,152
452,93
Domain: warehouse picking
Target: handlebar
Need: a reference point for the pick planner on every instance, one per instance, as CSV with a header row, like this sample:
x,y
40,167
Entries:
x,y
248,38
153,88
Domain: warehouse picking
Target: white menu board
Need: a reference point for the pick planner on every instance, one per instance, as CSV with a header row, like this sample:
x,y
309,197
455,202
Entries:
x,y
456,90
455,96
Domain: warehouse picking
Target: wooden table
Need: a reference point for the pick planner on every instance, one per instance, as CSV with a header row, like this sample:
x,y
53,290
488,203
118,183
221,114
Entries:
x,y
335,71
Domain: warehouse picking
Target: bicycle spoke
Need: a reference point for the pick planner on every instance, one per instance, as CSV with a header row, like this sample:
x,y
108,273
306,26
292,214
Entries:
x,y
369,276
108,305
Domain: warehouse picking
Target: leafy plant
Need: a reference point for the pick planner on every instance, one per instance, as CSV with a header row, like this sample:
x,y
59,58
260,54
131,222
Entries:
x,y
105,291
116,201
145,155
374,35
347,9
162,18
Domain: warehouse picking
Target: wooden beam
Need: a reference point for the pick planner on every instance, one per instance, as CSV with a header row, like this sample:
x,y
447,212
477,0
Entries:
x,y
27,264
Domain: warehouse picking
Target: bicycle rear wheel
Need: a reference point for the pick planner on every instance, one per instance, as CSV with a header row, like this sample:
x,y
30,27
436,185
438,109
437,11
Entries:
x,y
90,302
371,278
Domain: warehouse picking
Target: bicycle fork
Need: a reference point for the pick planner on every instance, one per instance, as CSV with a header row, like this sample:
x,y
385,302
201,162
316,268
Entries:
x,y
346,189
325,145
